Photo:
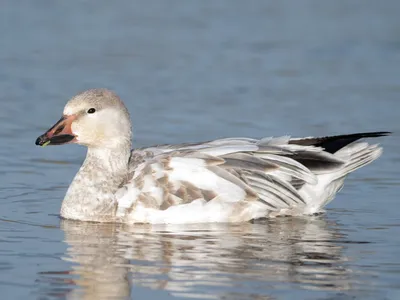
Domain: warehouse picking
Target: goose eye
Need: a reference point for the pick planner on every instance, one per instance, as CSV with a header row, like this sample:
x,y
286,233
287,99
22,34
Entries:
x,y
91,110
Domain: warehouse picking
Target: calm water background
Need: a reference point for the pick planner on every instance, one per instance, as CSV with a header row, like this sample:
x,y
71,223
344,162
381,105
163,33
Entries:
x,y
190,71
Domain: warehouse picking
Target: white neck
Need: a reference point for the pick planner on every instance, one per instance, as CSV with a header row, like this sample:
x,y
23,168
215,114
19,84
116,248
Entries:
x,y
91,195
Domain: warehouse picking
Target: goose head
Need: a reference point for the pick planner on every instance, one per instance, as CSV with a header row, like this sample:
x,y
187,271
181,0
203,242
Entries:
x,y
95,118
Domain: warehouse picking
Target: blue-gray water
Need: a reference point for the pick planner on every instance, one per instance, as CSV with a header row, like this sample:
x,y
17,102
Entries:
x,y
191,71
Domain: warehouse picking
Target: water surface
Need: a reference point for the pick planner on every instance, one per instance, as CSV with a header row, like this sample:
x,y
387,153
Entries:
x,y
191,71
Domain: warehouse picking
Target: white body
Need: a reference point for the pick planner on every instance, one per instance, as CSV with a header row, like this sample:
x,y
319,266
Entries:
x,y
226,180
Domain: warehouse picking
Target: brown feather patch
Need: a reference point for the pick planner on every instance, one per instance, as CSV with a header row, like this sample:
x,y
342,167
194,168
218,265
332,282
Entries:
x,y
148,201
208,195
139,181
163,181
166,163
192,191
182,194
169,201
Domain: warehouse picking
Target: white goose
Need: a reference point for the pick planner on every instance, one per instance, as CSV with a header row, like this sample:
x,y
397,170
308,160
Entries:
x,y
225,180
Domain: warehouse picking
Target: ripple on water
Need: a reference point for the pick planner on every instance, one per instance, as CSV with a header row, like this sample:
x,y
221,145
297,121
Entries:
x,y
209,260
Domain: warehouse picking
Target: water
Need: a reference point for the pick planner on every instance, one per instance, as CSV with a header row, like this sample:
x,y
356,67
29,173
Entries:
x,y
191,71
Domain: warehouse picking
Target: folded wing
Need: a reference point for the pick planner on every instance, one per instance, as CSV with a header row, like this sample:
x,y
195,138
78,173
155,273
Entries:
x,y
268,171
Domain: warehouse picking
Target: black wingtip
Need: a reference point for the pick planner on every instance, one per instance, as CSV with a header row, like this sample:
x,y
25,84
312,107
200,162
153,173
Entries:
x,y
374,134
332,144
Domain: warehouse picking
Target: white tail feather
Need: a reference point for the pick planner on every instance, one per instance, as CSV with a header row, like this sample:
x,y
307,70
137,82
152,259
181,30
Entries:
x,y
358,155
355,155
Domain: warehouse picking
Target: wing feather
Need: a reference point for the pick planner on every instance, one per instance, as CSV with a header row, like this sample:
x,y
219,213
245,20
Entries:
x,y
232,170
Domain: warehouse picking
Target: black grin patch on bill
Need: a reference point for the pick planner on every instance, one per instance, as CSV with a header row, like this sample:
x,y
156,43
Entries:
x,y
61,139
55,140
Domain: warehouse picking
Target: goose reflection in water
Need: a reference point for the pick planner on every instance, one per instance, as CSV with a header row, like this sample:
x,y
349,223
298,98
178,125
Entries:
x,y
213,260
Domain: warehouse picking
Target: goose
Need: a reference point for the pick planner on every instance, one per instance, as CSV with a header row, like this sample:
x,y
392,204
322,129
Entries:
x,y
224,180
